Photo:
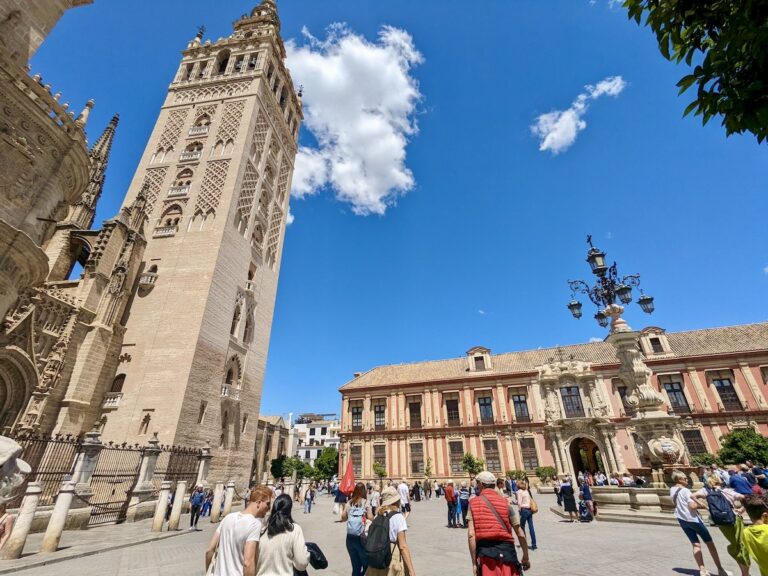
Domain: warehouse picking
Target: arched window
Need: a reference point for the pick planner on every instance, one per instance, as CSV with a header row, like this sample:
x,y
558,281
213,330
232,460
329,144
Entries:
x,y
248,334
195,146
184,178
235,322
203,120
228,147
283,98
171,216
117,383
229,377
218,149
153,269
222,61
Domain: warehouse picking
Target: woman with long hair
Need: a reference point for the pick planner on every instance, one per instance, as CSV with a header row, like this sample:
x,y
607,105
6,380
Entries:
x,y
401,563
355,513
281,546
526,514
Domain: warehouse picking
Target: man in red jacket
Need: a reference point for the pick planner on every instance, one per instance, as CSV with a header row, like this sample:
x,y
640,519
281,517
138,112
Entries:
x,y
492,521
450,498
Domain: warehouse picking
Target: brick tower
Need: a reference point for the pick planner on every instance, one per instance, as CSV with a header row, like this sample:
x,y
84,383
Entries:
x,y
216,175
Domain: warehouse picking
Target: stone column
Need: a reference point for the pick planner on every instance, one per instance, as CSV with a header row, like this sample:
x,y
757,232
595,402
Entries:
x,y
218,496
144,487
86,461
162,506
14,546
58,517
229,495
203,465
178,502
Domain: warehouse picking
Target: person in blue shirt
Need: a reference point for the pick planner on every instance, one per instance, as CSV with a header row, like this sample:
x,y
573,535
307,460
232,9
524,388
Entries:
x,y
586,495
739,483
196,501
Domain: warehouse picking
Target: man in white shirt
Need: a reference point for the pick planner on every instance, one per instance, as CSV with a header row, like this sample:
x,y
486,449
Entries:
x,y
237,538
405,500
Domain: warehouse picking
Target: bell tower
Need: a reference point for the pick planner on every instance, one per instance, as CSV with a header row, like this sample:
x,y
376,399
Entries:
x,y
216,176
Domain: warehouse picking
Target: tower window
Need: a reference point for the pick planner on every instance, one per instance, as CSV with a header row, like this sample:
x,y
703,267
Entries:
x,y
235,320
117,383
253,61
222,62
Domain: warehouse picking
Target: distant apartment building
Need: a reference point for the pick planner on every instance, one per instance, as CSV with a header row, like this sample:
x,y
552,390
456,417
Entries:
x,y
271,442
311,433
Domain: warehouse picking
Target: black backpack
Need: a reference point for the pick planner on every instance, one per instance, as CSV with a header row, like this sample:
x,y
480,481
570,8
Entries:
x,y
720,510
378,546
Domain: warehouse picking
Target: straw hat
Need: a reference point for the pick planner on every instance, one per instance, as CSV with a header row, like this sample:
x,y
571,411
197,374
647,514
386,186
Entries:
x,y
390,496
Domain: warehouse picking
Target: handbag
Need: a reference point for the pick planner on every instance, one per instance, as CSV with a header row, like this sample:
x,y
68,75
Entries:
x,y
534,506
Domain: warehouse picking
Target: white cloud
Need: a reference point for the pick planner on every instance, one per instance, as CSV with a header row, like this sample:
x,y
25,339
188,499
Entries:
x,y
557,130
481,312
359,102
289,219
593,339
765,270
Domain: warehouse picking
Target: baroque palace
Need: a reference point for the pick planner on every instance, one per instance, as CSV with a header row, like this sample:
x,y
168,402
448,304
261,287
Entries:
x,y
563,407
166,330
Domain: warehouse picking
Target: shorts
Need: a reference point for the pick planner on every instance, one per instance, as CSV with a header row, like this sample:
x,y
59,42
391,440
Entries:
x,y
405,508
694,530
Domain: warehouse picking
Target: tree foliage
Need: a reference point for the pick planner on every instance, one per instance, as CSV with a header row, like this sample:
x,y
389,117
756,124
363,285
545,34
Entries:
x,y
327,464
277,467
381,472
725,42
545,473
471,465
516,474
706,459
742,445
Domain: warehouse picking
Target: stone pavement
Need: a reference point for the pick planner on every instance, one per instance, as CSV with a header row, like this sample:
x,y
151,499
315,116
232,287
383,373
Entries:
x,y
563,548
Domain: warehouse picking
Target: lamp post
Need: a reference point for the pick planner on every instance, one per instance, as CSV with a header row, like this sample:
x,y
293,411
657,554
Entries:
x,y
608,293
659,432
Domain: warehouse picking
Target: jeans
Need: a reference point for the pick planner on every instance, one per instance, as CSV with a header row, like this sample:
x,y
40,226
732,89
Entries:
x,y
357,555
307,506
464,510
526,517
458,511
194,515
451,514
206,509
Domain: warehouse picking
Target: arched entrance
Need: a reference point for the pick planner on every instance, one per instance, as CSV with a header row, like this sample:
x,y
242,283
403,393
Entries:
x,y
586,456
14,391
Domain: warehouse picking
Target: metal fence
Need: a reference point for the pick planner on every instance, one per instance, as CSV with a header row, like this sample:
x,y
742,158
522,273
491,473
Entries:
x,y
175,463
51,458
114,477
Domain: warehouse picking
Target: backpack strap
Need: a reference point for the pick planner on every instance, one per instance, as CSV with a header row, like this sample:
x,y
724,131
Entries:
x,y
492,508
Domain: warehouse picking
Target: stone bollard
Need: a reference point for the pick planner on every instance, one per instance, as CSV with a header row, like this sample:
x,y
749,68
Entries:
x,y
229,496
58,517
14,546
162,506
218,496
178,503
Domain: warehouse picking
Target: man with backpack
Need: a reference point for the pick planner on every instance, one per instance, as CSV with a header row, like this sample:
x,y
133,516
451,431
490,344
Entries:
x,y
386,546
491,526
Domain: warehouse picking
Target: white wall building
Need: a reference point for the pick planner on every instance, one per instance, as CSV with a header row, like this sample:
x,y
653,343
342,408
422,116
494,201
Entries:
x,y
311,433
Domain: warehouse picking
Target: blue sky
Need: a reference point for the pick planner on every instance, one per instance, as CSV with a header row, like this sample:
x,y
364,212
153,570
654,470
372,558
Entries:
x,y
476,247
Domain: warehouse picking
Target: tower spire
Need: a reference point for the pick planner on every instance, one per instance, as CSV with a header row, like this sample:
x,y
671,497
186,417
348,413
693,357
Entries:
x,y
85,209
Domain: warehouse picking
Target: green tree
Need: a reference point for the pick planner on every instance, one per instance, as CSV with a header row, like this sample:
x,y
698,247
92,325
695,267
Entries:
x,y
705,460
471,465
742,445
327,464
381,473
545,473
277,467
428,468
516,474
725,43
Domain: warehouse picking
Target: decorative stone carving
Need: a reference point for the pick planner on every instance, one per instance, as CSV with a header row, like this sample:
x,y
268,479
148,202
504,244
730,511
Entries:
x,y
12,469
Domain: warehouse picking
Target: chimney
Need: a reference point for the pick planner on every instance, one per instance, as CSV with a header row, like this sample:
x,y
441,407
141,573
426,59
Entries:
x,y
357,374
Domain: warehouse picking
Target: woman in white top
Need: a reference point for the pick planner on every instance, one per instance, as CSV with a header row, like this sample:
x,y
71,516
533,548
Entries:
x,y
690,522
401,563
281,545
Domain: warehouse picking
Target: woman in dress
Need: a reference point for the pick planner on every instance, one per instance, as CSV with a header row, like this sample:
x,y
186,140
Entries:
x,y
281,546
401,563
569,499
355,513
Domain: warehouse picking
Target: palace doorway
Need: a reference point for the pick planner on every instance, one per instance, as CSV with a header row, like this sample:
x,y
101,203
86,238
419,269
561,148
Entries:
x,y
586,456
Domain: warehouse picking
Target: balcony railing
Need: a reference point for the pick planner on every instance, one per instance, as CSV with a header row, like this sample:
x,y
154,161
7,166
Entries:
x,y
165,231
111,400
198,130
681,408
229,391
380,427
186,156
147,279
176,191
574,412
733,405
522,417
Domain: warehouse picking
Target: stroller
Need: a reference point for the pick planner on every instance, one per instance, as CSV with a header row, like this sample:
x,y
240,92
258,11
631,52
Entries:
x,y
584,514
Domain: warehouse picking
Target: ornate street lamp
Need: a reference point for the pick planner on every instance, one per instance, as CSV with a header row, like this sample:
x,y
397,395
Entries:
x,y
609,291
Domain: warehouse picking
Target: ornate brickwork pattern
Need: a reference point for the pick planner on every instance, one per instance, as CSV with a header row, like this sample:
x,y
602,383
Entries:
x,y
230,121
211,92
247,191
153,184
207,110
260,131
172,129
275,222
282,181
210,190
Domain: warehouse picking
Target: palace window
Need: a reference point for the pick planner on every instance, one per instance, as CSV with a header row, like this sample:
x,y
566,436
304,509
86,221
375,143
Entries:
x,y
456,455
723,383
520,402
452,408
306,454
414,412
675,394
479,363
380,455
694,442
323,431
485,403
528,452
380,416
764,372
656,345
572,402
356,453
312,431
357,418
629,410
491,453
417,458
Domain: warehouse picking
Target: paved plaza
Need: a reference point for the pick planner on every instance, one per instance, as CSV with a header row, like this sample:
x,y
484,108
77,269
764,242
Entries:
x,y
592,549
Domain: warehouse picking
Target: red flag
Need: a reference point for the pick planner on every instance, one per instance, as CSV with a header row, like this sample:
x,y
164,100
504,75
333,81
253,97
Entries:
x,y
347,485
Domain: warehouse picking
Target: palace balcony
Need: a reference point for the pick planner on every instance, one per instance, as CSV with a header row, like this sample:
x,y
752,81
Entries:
x,y
165,231
147,280
198,130
230,392
188,156
111,400
177,191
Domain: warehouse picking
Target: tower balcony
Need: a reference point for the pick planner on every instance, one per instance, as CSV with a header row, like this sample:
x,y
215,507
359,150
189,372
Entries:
x,y
165,231
230,392
111,400
198,130
147,280
177,191
188,156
